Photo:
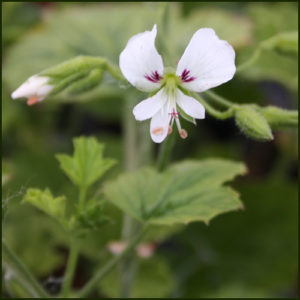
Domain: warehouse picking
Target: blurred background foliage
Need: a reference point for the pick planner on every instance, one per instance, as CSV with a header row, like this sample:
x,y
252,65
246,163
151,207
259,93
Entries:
x,y
242,254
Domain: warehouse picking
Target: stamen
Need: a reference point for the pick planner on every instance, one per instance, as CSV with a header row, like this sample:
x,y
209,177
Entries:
x,y
158,131
178,124
33,100
170,130
183,133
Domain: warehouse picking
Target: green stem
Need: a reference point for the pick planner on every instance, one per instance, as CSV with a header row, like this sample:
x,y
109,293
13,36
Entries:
x,y
131,151
165,152
219,99
71,265
115,72
73,255
250,61
128,264
82,196
33,287
111,264
215,113
13,281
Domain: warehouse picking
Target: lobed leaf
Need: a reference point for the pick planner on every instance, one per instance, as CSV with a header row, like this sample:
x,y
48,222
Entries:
x,y
186,192
46,202
87,164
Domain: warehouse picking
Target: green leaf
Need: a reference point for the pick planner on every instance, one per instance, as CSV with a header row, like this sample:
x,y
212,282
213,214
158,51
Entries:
x,y
87,164
186,192
44,200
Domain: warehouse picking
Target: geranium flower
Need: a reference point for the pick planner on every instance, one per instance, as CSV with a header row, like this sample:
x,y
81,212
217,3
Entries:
x,y
206,63
35,89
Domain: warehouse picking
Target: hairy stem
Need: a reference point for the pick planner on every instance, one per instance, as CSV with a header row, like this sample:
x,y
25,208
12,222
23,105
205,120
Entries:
x,y
82,196
212,111
111,264
71,265
30,283
250,61
219,99
131,150
73,255
115,72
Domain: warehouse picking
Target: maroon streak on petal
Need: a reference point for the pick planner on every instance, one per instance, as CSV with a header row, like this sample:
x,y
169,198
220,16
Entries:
x,y
153,77
185,77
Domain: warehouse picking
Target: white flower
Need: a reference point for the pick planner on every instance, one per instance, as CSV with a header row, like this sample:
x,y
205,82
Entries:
x,y
34,88
206,63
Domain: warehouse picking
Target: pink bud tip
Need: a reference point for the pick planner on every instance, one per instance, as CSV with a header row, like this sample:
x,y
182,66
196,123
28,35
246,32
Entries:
x,y
33,100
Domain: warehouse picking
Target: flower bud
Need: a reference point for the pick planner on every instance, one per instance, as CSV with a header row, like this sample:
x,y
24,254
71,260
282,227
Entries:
x,y
278,117
35,88
75,65
253,124
286,43
87,83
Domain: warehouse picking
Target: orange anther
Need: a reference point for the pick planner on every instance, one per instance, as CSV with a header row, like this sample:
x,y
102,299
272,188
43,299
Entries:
x,y
170,130
183,134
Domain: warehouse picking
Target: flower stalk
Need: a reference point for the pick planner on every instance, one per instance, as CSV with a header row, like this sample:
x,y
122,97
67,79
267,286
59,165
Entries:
x,y
71,265
111,264
24,275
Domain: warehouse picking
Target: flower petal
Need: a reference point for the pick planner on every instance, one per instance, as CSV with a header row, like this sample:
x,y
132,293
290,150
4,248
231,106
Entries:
x,y
206,62
149,107
140,62
190,106
33,86
159,124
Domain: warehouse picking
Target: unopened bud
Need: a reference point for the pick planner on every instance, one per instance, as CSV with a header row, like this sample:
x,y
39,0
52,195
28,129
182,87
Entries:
x,y
253,124
35,89
286,42
116,247
183,133
75,65
87,83
145,250
278,117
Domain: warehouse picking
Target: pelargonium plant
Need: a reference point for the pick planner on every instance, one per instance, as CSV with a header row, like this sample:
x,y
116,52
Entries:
x,y
184,192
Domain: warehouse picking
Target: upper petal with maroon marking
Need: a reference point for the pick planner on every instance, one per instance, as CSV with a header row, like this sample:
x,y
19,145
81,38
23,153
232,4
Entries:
x,y
140,62
206,62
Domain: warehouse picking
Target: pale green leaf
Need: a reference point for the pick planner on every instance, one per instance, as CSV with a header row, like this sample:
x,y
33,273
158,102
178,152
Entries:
x,y
45,201
87,163
186,192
